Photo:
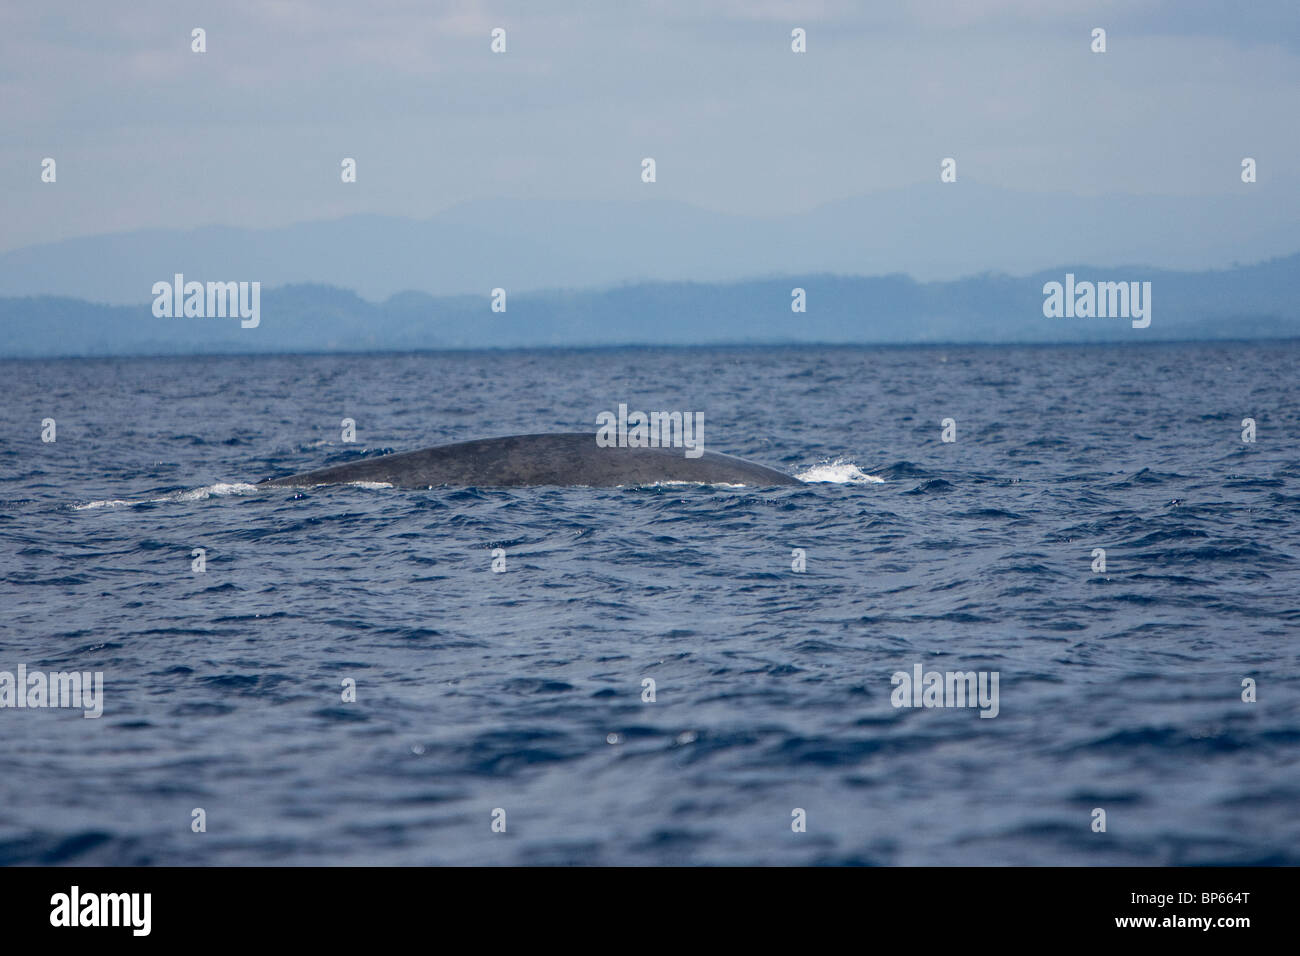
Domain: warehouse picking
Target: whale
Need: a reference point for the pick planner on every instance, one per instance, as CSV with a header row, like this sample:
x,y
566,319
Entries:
x,y
569,458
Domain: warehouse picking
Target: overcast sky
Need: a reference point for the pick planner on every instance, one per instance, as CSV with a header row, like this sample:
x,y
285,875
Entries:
x,y
251,133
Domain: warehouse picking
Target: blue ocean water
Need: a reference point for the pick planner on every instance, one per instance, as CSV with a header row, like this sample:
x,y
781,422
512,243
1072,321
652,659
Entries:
x,y
522,691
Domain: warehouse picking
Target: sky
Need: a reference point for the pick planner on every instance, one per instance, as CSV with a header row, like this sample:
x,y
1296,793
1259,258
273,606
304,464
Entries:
x,y
146,133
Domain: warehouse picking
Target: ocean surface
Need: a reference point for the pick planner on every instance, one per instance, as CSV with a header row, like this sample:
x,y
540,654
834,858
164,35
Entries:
x,y
522,691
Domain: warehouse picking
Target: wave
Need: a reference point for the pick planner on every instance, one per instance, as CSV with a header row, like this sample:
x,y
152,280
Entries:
x,y
841,471
221,489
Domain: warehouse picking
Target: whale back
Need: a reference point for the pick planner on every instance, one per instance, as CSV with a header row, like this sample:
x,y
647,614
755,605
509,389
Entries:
x,y
554,459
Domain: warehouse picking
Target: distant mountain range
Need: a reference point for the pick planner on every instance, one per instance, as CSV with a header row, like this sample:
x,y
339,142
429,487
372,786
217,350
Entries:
x,y
932,231
1258,301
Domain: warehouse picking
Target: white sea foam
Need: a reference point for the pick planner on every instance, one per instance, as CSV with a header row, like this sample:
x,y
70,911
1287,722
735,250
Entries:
x,y
683,484
839,472
90,505
221,489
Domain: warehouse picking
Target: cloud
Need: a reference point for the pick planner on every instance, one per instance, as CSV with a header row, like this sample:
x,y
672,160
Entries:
x,y
252,132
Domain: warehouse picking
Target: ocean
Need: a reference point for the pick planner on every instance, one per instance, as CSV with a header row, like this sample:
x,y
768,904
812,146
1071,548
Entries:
x,y
348,681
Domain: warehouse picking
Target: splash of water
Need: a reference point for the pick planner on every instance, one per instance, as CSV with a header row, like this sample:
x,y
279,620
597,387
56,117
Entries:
x,y
841,471
221,489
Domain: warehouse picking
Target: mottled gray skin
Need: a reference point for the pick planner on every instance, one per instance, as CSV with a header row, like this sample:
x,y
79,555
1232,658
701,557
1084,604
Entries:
x,y
521,460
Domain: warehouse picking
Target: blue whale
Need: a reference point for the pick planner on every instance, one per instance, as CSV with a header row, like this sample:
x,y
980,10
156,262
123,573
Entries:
x,y
526,460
